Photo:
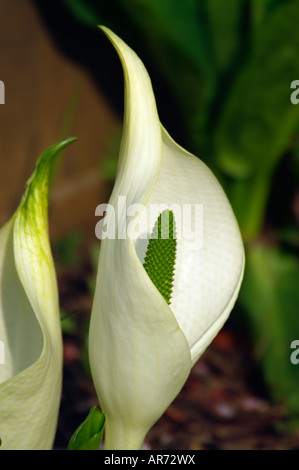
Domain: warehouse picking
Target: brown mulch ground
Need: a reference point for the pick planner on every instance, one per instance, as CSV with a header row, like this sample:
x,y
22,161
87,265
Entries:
x,y
223,405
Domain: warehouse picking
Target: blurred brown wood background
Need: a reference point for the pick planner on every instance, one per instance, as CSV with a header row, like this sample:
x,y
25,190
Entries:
x,y
48,97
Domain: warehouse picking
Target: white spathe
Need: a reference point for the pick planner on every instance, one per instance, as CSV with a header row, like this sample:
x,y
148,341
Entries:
x,y
141,349
30,378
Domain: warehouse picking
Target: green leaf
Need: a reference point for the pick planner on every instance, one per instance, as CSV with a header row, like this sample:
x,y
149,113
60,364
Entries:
x,y
258,121
226,30
88,436
84,11
270,297
160,255
259,10
259,117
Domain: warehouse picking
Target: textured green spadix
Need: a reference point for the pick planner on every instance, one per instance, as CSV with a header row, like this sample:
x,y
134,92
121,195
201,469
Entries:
x,y
159,260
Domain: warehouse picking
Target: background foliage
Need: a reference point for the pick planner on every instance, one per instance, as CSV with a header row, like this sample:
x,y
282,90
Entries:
x,y
228,66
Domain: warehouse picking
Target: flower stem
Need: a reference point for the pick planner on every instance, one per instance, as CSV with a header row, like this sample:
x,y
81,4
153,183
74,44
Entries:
x,y
120,437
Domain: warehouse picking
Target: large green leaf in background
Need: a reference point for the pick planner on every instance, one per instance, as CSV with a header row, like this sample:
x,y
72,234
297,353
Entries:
x,y
272,298
225,30
258,118
229,65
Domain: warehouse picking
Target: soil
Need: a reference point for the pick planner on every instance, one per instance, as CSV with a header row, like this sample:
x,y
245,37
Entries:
x,y
223,405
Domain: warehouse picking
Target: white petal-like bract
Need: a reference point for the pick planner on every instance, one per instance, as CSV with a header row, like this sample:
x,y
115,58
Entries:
x,y
31,375
142,349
